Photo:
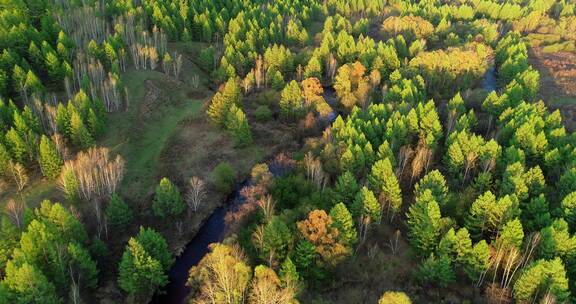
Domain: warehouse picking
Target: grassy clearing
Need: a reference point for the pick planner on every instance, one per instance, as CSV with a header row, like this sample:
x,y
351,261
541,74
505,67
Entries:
x,y
157,105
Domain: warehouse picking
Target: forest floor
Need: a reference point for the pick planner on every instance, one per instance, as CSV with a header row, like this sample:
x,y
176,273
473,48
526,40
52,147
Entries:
x,y
557,82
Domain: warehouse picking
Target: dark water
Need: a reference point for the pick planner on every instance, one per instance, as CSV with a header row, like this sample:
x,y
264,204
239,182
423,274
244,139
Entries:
x,y
490,82
211,232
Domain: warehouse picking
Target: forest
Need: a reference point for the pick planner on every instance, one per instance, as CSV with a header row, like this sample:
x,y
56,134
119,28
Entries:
x,y
289,151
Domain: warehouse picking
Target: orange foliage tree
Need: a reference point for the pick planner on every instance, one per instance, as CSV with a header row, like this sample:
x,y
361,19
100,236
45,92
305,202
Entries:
x,y
318,230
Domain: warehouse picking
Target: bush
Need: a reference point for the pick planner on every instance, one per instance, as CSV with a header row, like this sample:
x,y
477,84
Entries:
x,y
263,114
290,190
224,177
268,97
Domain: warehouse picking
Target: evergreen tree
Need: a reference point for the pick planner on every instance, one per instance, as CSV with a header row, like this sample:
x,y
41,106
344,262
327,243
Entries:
x,y
237,124
540,278
487,215
288,273
63,119
27,284
82,266
167,200
437,271
80,135
536,214
366,207
20,151
95,124
557,241
118,213
304,258
291,102
477,261
346,188
512,234
569,208
425,223
70,184
313,68
139,274
383,180
435,182
342,220
456,245
277,80
156,246
276,240
4,160
50,160
218,109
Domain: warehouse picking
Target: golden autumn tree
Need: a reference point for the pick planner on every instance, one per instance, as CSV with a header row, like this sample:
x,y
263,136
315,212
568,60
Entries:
x,y
318,229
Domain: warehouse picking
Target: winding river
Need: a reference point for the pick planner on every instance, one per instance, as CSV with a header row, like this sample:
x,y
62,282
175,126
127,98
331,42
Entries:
x,y
212,231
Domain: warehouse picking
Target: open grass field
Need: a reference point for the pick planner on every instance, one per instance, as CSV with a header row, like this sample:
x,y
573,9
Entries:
x,y
157,105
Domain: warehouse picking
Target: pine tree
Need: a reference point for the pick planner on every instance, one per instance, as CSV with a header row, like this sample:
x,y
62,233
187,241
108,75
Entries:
x,y
366,207
487,215
541,278
156,246
5,160
289,274
291,102
118,213
95,124
19,149
456,245
437,271
536,214
139,274
277,239
277,80
237,124
70,185
313,68
424,223
511,234
63,120
80,135
218,109
50,160
557,241
167,200
342,220
569,208
477,261
383,180
83,266
435,182
346,188
305,257
26,284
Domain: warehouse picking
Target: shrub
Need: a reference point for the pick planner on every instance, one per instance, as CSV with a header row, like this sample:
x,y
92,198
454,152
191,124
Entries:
x,y
224,177
263,114
268,97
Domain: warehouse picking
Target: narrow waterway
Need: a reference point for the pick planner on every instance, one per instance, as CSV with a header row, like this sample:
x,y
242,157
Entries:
x,y
212,231
490,82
